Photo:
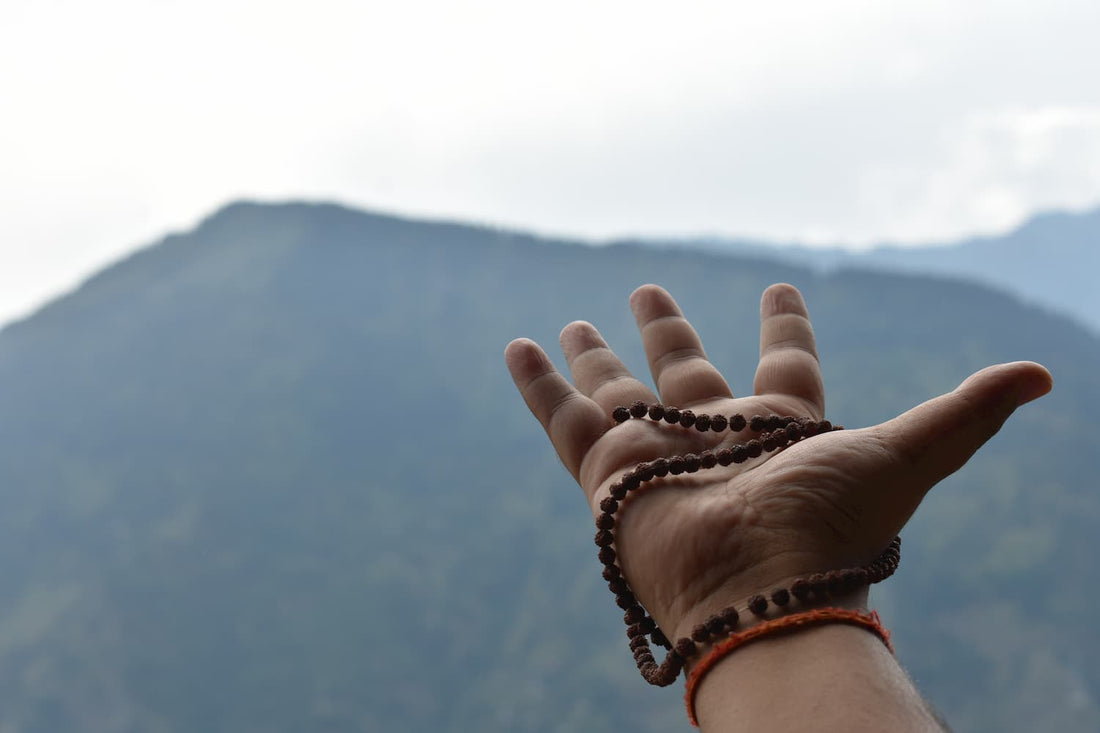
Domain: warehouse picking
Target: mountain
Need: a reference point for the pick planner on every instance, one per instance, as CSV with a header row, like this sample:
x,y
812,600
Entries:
x,y
271,475
1052,260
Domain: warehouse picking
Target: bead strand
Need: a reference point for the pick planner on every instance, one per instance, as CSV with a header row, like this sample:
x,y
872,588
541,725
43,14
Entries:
x,y
775,432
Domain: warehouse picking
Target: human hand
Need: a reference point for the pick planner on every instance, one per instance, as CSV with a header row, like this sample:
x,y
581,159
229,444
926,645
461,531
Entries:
x,y
692,544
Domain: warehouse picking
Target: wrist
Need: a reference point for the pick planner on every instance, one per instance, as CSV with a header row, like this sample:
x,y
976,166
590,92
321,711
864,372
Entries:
x,y
827,676
715,615
748,616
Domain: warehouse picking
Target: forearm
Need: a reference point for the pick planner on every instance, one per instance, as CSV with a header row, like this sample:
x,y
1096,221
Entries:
x,y
832,677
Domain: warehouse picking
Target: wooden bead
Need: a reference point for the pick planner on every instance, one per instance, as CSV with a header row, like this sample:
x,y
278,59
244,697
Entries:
x,y
660,467
730,617
758,605
818,585
620,414
639,409
718,423
702,423
685,648
737,423
687,418
656,411
660,639
800,589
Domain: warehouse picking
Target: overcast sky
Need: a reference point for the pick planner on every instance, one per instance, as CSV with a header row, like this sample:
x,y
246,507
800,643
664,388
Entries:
x,y
817,120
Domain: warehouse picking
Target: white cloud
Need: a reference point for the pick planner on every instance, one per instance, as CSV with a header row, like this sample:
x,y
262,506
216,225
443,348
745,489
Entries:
x,y
988,171
840,120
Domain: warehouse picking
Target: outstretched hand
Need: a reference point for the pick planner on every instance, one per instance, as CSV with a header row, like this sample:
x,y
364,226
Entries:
x,y
692,544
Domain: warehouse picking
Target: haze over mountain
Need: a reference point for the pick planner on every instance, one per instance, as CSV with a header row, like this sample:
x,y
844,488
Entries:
x,y
1053,260
271,475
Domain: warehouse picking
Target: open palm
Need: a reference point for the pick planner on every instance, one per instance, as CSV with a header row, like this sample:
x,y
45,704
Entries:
x,y
692,544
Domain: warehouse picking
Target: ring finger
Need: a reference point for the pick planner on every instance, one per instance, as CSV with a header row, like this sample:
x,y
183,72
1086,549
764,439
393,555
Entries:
x,y
597,372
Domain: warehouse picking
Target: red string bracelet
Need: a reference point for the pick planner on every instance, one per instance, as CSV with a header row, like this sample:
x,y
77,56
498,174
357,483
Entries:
x,y
869,621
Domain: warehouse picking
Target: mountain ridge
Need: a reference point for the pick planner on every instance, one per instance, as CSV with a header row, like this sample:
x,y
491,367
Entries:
x,y
1051,260
246,485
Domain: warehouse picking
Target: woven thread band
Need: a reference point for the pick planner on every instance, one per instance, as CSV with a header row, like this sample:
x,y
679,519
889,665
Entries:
x,y
869,621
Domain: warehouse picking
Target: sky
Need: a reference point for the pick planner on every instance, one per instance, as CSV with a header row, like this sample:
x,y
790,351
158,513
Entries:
x,y
816,121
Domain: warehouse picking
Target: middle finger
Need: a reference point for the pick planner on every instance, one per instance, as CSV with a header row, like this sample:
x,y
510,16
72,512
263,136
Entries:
x,y
680,368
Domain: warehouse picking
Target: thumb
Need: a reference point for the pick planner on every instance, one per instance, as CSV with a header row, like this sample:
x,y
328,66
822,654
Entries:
x,y
935,439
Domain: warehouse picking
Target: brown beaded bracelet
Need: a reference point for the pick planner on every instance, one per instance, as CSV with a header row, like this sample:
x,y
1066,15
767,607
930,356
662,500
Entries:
x,y
774,432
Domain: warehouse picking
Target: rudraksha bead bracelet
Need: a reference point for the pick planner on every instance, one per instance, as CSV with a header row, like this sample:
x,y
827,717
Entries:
x,y
774,432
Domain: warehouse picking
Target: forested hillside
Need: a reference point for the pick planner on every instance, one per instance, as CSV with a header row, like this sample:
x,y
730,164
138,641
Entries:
x,y
271,475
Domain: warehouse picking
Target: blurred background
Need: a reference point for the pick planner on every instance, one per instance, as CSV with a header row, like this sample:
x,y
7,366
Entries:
x,y
261,465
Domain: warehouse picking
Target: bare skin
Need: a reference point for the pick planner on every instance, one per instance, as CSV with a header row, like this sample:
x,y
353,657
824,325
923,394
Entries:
x,y
701,542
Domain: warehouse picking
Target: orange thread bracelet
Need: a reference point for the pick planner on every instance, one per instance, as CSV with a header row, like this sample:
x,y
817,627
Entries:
x,y
869,621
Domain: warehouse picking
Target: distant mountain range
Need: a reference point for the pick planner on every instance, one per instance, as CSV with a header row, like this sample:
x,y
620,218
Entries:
x,y
1052,260
271,475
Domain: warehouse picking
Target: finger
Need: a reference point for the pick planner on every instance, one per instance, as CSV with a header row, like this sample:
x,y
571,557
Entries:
x,y
572,421
933,440
676,359
788,355
597,372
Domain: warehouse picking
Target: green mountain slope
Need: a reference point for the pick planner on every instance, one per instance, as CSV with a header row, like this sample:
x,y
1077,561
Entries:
x,y
271,475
